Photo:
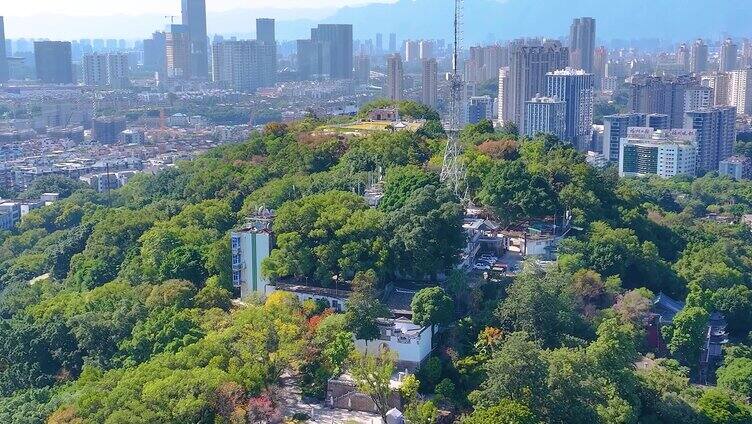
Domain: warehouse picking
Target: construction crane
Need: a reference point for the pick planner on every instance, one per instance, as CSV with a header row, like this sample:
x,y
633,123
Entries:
x,y
453,172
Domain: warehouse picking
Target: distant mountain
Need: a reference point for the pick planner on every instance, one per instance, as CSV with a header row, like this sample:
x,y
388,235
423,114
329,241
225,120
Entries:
x,y
485,20
508,19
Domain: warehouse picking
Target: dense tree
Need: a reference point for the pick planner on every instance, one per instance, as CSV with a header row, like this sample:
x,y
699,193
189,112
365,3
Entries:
x,y
514,193
506,412
686,335
426,233
372,375
432,307
364,307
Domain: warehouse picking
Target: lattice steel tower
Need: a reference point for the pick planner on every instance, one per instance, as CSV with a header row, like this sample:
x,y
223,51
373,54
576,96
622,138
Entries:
x,y
452,172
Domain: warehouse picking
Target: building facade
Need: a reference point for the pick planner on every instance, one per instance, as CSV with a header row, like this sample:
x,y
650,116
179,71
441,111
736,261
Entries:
x,y
645,151
728,58
4,72
576,88
430,77
545,115
740,91
716,134
395,76
194,19
582,44
615,128
528,67
250,245
54,62
736,167
480,108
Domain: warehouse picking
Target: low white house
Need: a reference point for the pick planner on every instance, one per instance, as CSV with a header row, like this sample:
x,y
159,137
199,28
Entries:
x,y
410,342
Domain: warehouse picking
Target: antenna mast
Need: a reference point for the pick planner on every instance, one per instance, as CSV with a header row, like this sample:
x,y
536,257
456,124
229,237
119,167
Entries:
x,y
452,172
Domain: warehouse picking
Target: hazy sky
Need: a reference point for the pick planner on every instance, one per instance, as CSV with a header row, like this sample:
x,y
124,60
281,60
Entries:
x,y
139,7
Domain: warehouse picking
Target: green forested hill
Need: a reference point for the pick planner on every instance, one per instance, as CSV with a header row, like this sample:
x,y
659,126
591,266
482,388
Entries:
x,y
133,323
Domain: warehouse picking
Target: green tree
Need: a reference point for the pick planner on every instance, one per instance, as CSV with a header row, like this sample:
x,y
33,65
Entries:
x,y
686,335
371,375
736,375
720,408
506,412
364,308
432,307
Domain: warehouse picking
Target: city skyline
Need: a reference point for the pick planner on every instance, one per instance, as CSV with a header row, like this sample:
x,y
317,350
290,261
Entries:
x,y
486,19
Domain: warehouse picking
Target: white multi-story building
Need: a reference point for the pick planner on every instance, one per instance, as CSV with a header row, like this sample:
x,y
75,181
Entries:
x,y
251,244
545,115
109,69
740,91
646,151
503,99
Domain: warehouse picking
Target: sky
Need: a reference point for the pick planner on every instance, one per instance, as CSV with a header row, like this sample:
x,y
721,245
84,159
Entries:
x,y
140,7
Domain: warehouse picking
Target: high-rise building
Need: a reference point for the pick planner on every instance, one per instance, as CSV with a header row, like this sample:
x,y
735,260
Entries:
x,y
392,42
194,18
576,88
412,51
430,78
645,151
265,31
545,115
426,49
241,65
728,58
4,52
480,108
337,42
716,134
720,82
363,68
106,69
178,52
308,59
394,77
528,67
660,95
155,55
379,43
698,62
503,99
53,62
683,56
615,128
740,91
698,97
266,39
582,44
599,66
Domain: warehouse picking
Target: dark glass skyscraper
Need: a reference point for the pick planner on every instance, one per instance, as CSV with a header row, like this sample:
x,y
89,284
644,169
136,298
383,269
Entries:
x,y
266,51
338,41
53,61
155,54
194,17
582,44
3,53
